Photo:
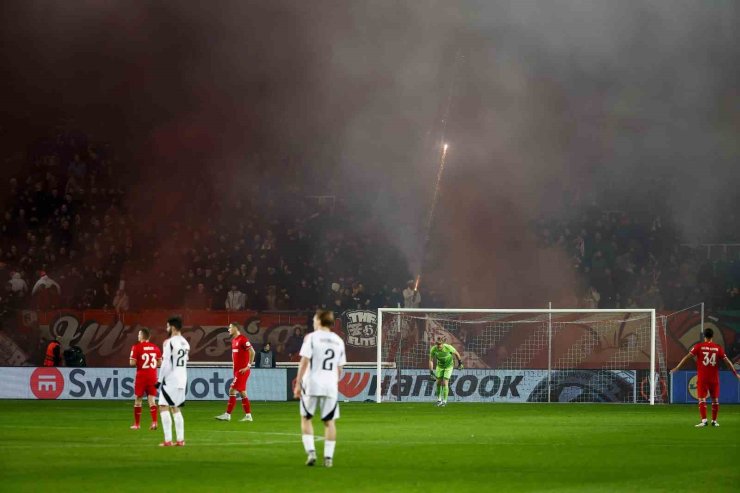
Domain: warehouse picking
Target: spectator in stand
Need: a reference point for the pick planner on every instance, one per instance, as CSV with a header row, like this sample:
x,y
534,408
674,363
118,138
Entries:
x,y
598,263
120,301
337,307
733,299
360,300
591,298
334,294
208,278
46,292
235,299
271,298
630,303
605,286
6,301
103,297
411,296
652,298
218,292
304,296
18,285
77,168
249,278
198,299
72,188
395,298
294,343
283,299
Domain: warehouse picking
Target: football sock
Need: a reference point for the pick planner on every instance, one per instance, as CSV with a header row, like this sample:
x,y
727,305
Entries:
x,y
438,393
703,410
308,443
445,391
246,406
137,415
167,426
715,410
179,426
153,412
329,448
232,403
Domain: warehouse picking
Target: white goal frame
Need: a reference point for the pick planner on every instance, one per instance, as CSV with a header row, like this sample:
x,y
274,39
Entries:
x,y
548,311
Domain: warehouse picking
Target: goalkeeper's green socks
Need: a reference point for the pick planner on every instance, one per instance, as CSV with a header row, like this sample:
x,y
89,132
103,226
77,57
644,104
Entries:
x,y
445,391
438,392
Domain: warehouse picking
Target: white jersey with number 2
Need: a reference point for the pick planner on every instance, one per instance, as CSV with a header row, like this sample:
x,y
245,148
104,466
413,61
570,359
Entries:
x,y
325,351
174,370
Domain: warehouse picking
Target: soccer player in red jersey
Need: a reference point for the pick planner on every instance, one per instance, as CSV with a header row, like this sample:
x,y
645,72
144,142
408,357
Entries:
x,y
242,357
146,357
707,355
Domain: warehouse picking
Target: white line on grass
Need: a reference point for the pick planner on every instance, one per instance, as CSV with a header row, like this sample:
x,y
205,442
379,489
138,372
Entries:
x,y
195,442
191,443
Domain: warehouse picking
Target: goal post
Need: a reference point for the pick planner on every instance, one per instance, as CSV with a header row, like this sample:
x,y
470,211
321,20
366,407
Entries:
x,y
525,355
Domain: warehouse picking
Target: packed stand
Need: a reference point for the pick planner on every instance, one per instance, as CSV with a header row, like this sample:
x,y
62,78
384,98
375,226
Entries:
x,y
628,260
65,233
69,240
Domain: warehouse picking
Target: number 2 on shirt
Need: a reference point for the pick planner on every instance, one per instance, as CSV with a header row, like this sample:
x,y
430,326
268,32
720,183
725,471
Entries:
x,y
181,357
327,364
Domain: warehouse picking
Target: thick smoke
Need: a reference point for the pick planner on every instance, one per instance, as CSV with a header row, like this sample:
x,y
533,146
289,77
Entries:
x,y
544,104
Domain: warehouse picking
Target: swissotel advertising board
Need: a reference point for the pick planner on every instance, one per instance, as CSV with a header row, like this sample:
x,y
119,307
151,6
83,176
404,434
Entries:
x,y
118,383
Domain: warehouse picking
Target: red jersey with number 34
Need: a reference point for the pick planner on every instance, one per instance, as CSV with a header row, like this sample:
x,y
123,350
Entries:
x,y
146,355
240,351
708,357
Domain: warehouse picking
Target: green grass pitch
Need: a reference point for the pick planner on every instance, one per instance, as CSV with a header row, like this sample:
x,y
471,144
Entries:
x,y
87,446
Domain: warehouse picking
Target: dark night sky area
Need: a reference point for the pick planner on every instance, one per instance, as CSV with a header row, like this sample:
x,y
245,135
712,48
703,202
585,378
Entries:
x,y
549,101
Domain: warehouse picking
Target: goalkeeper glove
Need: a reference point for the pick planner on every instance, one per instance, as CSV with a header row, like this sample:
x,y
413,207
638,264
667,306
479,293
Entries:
x,y
460,366
431,373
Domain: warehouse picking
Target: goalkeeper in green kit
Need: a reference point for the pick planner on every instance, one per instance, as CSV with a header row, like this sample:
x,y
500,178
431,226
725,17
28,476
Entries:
x,y
443,354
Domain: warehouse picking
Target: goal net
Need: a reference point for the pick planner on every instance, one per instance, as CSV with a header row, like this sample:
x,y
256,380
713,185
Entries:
x,y
525,355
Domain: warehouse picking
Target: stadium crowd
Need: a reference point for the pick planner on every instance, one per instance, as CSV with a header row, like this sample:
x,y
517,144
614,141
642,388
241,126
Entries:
x,y
68,238
631,260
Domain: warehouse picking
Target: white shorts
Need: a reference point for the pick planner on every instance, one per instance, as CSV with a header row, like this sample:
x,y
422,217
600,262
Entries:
x,y
328,406
169,395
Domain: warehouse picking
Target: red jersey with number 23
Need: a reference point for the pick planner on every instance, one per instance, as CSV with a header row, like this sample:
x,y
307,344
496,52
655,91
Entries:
x,y
146,355
240,352
708,356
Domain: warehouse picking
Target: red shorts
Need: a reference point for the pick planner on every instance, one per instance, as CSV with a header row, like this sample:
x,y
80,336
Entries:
x,y
145,385
240,381
710,388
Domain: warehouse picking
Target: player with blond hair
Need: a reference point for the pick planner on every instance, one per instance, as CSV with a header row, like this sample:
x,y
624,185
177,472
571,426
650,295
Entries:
x,y
322,358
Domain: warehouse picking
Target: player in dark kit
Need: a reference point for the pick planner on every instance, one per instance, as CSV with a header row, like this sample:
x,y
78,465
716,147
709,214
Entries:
x,y
146,357
707,355
242,357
